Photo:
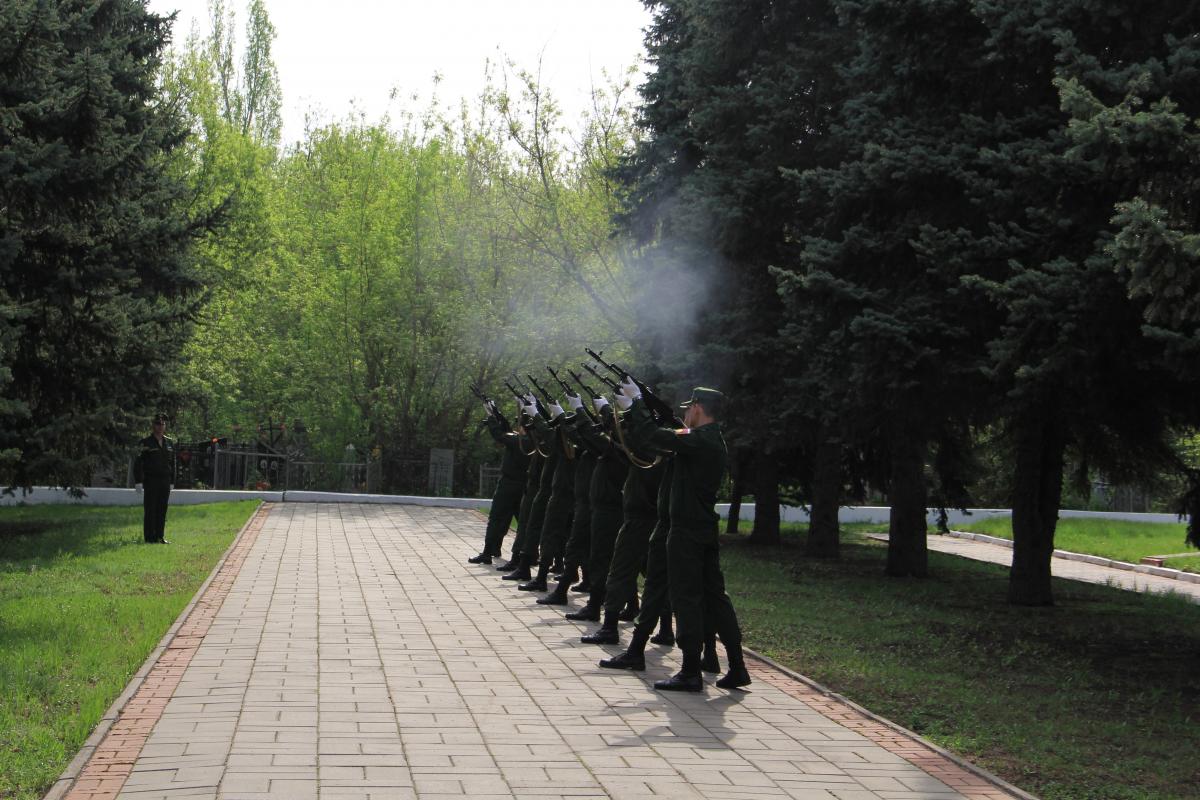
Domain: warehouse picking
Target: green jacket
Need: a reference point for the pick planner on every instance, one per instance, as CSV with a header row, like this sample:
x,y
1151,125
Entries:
x,y
155,463
699,466
515,462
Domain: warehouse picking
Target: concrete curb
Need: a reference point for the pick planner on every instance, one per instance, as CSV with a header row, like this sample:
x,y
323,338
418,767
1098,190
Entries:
x,y
63,784
1099,561
960,762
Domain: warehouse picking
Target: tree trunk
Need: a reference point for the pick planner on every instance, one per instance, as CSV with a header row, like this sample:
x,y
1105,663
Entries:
x,y
736,492
907,553
1037,493
766,500
823,532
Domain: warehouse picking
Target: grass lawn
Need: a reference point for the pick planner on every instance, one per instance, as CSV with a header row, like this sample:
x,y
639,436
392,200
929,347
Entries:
x,y
82,603
1109,538
1094,699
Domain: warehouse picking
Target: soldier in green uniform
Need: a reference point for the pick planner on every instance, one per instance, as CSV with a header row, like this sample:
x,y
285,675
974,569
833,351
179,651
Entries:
x,y
605,493
506,501
697,585
548,547
533,477
578,546
640,512
529,535
153,475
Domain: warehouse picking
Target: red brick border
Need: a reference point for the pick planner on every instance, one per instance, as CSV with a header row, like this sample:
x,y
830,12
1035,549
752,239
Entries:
x,y
104,774
969,780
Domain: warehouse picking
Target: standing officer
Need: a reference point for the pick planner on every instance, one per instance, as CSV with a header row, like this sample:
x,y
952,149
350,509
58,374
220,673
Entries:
x,y
154,469
697,586
506,502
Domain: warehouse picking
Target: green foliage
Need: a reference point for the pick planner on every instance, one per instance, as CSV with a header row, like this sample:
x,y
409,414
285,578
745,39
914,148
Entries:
x,y
72,578
97,289
367,274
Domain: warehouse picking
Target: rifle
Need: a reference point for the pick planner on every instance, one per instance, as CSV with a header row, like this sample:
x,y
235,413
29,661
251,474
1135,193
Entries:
x,y
493,409
517,396
607,381
587,390
657,406
525,390
566,387
549,398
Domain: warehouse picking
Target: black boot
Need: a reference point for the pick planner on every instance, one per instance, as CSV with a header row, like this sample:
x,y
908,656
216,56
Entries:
x,y
738,676
522,572
665,635
633,658
585,585
482,558
538,584
510,565
559,596
687,679
629,614
556,598
709,662
589,613
605,634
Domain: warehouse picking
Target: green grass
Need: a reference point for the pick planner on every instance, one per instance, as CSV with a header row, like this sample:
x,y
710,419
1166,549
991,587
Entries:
x,y
1093,699
82,603
1109,538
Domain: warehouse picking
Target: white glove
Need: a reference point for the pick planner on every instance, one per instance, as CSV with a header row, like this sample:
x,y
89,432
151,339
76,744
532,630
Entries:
x,y
622,402
630,389
530,400
489,407
137,487
575,402
555,410
530,410
599,403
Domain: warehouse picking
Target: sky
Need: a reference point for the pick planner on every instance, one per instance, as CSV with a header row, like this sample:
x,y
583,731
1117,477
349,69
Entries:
x,y
351,55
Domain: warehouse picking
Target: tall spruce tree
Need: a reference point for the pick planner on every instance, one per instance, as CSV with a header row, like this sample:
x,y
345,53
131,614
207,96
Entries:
x,y
885,234
730,104
95,284
1082,355
958,263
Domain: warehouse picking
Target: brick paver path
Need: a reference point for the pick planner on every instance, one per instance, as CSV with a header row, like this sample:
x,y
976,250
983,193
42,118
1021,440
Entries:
x,y
356,655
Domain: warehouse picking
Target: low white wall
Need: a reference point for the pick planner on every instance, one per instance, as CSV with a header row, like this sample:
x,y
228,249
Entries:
x,y
847,514
105,496
882,514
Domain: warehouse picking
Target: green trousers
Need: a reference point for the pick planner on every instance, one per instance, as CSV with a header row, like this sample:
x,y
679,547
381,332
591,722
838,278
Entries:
x,y
628,561
698,589
579,541
656,590
556,527
606,523
506,505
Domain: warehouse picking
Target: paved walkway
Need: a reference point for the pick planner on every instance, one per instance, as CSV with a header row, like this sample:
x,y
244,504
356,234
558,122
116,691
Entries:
x,y
347,651
1068,569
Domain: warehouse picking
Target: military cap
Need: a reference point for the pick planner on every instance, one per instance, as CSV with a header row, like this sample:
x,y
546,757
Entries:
x,y
711,399
159,417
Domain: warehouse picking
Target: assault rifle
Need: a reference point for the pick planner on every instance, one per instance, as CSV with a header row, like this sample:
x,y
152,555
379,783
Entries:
x,y
566,387
587,390
607,381
527,392
493,409
663,413
549,398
